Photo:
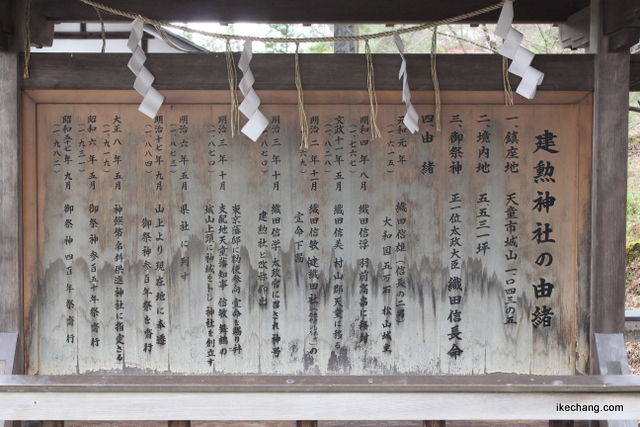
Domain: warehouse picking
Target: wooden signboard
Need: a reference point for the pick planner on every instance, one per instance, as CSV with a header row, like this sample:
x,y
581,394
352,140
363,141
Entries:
x,y
171,246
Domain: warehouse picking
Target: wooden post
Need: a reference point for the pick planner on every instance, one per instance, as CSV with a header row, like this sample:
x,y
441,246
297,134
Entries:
x,y
609,184
11,306
347,46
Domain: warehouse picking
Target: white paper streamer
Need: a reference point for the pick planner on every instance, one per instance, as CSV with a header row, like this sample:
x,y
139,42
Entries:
x,y
521,65
152,98
505,20
250,105
411,116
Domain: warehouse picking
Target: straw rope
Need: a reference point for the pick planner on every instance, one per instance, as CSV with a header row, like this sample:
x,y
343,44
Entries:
x,y
304,126
27,38
434,77
373,97
103,31
365,37
232,73
508,92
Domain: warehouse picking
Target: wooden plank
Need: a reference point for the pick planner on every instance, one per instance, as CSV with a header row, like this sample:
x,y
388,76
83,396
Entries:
x,y
67,96
583,229
64,264
561,423
289,11
320,406
306,424
159,384
318,72
179,424
432,423
51,423
30,222
11,310
610,121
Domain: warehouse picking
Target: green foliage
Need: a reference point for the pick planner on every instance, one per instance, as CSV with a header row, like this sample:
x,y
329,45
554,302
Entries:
x,y
284,31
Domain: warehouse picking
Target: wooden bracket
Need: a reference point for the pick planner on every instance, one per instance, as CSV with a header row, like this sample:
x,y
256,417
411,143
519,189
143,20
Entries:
x,y
624,39
41,29
574,33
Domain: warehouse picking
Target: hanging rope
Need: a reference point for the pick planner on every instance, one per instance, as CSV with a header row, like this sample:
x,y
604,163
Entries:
x,y
233,84
27,38
103,31
304,126
383,34
434,77
506,84
373,98
165,37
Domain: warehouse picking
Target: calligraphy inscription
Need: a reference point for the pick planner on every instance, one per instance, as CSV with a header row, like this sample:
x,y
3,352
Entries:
x,y
168,245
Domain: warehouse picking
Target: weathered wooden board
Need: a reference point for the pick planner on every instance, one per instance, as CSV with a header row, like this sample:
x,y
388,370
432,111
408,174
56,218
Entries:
x,y
171,246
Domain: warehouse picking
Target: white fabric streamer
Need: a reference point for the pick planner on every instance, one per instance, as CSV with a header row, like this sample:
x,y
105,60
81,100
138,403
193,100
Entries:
x,y
521,65
411,116
152,98
249,107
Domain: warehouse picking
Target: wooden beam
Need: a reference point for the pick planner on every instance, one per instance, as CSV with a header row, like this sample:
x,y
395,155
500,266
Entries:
x,y
337,384
318,71
11,303
619,14
293,11
622,40
315,398
609,183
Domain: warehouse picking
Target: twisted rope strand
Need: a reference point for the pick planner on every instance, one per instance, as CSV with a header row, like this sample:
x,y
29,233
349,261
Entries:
x,y
365,37
434,77
373,97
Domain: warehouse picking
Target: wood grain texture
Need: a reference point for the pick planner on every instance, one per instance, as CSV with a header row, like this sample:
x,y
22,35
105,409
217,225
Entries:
x,y
318,72
341,423
289,11
583,229
152,384
608,231
320,406
11,306
427,214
